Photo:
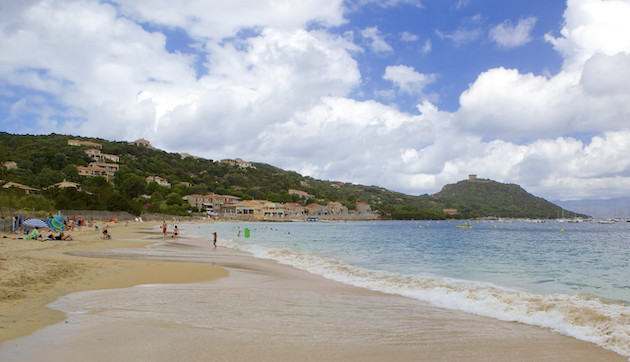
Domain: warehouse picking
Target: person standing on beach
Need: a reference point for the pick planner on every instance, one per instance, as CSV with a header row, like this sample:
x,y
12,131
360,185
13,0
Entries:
x,y
215,239
164,229
176,234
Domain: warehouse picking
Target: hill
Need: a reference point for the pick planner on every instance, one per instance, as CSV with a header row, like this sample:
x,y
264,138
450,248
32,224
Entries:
x,y
41,161
482,197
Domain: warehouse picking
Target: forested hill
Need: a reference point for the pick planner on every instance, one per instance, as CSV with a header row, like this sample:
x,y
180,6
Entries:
x,y
48,159
487,197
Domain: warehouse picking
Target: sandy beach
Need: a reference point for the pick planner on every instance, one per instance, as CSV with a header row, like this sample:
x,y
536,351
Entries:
x,y
145,298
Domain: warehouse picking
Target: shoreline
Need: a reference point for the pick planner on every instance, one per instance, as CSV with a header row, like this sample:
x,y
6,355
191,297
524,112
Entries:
x,y
38,273
403,328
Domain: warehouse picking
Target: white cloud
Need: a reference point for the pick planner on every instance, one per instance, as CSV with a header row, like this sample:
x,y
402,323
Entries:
x,y
591,27
376,40
281,95
467,32
461,4
408,37
426,48
407,79
218,19
508,36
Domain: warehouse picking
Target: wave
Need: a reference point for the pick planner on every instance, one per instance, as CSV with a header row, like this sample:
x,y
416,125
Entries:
x,y
583,317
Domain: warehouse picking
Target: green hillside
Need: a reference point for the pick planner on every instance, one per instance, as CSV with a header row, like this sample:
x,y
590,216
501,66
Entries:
x,y
48,159
490,198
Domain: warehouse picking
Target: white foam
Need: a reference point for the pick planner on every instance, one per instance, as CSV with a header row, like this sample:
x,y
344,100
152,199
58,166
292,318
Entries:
x,y
606,324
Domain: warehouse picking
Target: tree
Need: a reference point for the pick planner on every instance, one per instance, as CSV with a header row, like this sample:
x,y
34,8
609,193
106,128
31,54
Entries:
x,y
131,185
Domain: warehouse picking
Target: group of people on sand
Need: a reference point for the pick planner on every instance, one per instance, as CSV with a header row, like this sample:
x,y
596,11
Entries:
x,y
176,233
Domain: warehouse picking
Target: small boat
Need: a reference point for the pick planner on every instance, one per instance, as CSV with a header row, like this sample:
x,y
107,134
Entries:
x,y
463,227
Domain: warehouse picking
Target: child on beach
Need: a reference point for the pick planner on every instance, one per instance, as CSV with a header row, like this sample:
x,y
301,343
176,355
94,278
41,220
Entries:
x,y
215,239
164,229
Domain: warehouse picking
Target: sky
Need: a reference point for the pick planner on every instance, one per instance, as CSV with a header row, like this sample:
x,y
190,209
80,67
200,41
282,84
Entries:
x,y
409,95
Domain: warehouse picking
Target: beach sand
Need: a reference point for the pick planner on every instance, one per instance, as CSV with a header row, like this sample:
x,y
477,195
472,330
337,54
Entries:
x,y
229,307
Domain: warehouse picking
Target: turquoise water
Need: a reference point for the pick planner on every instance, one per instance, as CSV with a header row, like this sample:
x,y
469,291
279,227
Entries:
x,y
576,281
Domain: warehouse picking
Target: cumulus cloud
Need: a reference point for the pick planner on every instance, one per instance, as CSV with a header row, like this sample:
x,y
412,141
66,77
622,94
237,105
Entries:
x,y
376,40
281,93
407,79
218,19
508,36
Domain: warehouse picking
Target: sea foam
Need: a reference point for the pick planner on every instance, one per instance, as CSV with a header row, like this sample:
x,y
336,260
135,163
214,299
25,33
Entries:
x,y
587,318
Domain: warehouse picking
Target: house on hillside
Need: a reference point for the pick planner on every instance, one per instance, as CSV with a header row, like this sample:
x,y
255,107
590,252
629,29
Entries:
x,y
97,156
141,143
10,165
66,184
160,181
244,164
363,208
301,194
26,189
94,170
337,184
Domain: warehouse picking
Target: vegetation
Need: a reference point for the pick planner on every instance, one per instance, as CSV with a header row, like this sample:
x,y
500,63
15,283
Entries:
x,y
46,160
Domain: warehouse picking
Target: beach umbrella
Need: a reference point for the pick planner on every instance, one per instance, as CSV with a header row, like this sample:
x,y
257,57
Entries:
x,y
36,223
59,217
55,224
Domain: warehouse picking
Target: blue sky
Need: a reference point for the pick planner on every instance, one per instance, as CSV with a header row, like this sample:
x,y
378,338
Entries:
x,y
404,94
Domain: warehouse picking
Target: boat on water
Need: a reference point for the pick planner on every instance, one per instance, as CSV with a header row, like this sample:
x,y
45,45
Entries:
x,y
463,227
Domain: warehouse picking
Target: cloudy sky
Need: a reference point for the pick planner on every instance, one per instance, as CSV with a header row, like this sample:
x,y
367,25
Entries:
x,y
404,94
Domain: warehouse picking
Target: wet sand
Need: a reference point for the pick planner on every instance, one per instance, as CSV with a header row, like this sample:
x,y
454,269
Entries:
x,y
262,311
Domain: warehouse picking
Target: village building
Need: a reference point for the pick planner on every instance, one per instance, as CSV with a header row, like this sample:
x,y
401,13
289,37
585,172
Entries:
x,y
237,162
271,209
10,165
112,167
363,208
66,184
210,202
26,189
141,143
337,184
160,181
84,143
301,194
97,156
293,209
315,209
185,155
247,208
92,171
336,208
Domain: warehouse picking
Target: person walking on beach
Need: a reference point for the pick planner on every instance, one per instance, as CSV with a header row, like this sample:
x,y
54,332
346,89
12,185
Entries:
x,y
176,234
215,239
164,229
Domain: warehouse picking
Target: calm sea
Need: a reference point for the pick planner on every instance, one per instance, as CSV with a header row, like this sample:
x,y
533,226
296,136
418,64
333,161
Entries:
x,y
573,278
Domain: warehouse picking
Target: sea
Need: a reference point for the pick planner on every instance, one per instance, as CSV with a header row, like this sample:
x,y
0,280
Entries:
x,y
572,278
